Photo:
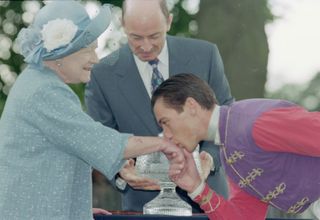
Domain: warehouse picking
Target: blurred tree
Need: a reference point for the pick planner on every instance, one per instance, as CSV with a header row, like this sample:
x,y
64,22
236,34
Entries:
x,y
307,95
237,27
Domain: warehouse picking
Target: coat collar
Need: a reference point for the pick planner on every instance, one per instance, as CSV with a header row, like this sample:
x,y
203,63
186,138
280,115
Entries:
x,y
131,86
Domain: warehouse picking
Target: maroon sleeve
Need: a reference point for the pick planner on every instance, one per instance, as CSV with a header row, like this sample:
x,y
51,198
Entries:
x,y
240,205
291,129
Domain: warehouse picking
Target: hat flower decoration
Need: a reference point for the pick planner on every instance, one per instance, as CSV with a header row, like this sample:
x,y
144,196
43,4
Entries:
x,y
58,33
55,35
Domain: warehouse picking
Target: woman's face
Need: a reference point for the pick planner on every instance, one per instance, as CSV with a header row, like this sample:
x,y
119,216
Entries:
x,y
76,67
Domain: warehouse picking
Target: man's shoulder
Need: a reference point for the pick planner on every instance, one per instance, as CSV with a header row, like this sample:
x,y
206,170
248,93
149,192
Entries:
x,y
115,58
190,42
191,46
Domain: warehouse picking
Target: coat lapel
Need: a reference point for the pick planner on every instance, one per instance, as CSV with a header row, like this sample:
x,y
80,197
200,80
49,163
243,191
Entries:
x,y
178,59
132,88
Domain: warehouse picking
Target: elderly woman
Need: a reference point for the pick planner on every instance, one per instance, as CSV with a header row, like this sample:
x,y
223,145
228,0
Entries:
x,y
48,145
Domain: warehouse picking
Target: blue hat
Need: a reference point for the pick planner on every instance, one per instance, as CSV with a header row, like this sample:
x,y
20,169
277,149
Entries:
x,y
59,29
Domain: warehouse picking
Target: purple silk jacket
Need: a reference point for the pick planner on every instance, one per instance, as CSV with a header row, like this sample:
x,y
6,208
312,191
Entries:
x,y
287,181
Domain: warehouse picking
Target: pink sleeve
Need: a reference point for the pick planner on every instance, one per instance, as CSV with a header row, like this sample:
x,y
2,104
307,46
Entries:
x,y
292,129
240,205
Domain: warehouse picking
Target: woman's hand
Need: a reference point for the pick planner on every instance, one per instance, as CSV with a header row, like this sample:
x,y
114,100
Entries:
x,y
97,211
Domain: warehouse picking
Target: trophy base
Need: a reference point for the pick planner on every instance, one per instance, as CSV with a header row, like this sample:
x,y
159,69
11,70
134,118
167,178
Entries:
x,y
167,203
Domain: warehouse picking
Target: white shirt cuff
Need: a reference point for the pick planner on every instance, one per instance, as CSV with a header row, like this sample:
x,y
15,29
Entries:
x,y
120,183
197,191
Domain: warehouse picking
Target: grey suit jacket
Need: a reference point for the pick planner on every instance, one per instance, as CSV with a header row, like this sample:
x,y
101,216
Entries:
x,y
116,96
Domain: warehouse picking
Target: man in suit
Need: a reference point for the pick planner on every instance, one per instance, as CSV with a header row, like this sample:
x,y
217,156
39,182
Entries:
x,y
119,92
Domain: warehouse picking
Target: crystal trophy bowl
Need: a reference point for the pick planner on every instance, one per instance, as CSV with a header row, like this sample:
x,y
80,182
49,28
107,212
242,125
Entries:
x,y
167,202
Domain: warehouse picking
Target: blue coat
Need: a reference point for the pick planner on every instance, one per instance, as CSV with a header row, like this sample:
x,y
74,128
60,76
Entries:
x,y
116,96
48,147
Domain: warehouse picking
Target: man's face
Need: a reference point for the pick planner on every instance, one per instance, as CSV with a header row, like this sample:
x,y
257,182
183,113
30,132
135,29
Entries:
x,y
146,32
178,127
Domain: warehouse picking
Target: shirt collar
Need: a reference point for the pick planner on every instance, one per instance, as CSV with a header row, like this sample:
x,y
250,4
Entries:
x,y
213,131
163,56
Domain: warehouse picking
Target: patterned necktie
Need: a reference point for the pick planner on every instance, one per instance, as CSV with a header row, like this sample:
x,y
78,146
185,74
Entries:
x,y
156,78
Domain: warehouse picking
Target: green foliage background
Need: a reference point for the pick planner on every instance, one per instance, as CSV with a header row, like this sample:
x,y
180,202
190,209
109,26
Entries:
x,y
241,39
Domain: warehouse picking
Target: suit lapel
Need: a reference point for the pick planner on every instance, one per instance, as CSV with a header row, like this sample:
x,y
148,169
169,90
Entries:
x,y
132,88
178,59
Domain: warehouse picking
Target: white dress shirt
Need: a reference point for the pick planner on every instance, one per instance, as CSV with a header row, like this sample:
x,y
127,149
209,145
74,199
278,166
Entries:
x,y
145,68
